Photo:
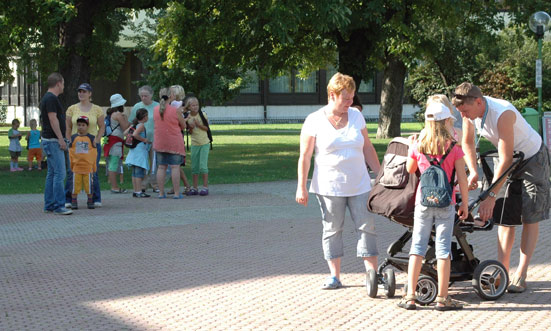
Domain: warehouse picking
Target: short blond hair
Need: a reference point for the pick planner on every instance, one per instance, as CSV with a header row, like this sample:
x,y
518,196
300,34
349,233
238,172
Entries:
x,y
340,82
178,92
466,93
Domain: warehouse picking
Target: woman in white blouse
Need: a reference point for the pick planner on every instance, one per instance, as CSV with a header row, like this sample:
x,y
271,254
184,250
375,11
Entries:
x,y
338,135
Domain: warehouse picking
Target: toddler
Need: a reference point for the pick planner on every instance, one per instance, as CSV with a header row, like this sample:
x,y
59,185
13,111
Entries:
x,y
35,149
15,146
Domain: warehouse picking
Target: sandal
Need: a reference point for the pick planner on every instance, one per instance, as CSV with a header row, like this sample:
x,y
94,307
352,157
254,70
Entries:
x,y
405,302
331,283
517,285
449,304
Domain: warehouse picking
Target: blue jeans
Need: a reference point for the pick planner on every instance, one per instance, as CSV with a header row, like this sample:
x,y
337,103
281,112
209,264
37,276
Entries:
x,y
333,211
423,220
54,194
96,191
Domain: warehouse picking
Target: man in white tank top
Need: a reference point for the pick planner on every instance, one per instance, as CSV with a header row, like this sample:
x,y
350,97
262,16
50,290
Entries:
x,y
502,124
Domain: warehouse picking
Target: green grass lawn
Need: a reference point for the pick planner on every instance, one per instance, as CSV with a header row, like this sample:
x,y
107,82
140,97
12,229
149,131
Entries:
x,y
241,154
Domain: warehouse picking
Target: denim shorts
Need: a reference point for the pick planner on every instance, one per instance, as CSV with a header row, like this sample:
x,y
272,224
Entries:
x,y
423,220
138,172
169,158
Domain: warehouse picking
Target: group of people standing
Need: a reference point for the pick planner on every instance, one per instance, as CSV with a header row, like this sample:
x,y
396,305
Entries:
x,y
337,137
70,138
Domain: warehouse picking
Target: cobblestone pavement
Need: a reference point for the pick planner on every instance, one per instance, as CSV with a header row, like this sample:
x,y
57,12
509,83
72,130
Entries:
x,y
245,257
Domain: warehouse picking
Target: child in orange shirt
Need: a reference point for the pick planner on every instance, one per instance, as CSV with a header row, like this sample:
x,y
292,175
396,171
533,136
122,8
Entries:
x,y
83,154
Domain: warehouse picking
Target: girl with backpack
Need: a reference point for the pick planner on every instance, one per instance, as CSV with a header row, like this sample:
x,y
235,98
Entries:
x,y
116,124
138,157
438,144
198,125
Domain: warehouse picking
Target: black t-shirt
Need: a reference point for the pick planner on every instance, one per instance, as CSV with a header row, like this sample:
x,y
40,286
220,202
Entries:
x,y
51,104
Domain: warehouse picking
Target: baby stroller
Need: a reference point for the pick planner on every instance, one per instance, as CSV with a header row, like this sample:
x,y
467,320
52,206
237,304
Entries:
x,y
395,200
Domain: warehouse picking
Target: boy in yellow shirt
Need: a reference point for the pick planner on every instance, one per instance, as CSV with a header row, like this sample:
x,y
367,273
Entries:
x,y
83,154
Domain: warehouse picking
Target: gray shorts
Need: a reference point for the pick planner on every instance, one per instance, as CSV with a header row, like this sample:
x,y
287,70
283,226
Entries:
x,y
333,211
525,198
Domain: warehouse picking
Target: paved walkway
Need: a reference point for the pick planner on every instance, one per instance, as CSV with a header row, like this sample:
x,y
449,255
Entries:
x,y
245,257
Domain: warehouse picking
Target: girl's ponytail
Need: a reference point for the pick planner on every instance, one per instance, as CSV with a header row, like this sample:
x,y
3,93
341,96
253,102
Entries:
x,y
162,102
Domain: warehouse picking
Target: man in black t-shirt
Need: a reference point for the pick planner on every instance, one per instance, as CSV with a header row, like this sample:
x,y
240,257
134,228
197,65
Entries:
x,y
54,145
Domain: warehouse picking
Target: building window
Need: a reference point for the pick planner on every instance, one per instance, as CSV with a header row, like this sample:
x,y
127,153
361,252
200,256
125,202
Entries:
x,y
307,85
284,83
365,86
253,84
4,88
281,84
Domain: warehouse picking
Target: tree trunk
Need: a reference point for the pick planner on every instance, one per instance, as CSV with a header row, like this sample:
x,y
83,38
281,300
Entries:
x,y
390,114
353,53
75,41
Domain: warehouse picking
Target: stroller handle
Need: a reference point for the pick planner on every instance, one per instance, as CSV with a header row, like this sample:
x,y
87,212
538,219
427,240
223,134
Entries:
x,y
518,157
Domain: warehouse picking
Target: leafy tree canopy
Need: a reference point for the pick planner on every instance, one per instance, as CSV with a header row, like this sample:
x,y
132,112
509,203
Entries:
x,y
75,37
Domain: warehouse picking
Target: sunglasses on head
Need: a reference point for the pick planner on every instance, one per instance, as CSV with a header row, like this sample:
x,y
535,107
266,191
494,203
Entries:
x,y
462,96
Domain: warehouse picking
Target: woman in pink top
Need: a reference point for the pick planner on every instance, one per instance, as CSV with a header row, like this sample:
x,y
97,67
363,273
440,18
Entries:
x,y
168,143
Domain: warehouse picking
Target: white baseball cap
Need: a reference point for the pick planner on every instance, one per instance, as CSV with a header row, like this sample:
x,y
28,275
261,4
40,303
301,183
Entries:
x,y
437,111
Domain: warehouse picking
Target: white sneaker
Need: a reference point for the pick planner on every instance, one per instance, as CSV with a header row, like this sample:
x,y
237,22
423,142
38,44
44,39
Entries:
x,y
68,205
97,204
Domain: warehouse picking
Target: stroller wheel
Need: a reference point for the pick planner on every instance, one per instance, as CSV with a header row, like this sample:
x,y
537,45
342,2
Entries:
x,y
390,282
490,280
426,290
371,283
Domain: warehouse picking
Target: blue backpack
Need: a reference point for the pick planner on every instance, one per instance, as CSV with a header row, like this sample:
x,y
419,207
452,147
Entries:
x,y
436,190
108,129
